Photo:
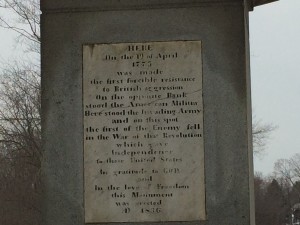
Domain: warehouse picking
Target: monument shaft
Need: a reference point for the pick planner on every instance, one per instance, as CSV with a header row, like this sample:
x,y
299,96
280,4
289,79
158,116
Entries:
x,y
146,112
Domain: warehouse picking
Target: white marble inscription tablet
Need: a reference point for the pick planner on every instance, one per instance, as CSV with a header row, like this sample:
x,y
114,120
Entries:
x,y
143,132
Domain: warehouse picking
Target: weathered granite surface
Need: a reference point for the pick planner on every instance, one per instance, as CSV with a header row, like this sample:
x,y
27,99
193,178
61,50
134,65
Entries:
x,y
221,27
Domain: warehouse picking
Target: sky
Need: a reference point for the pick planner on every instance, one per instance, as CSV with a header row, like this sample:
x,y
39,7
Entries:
x,y
275,74
275,71
9,48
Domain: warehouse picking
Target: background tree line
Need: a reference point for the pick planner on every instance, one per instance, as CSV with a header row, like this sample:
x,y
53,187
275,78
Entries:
x,y
20,124
276,196
20,134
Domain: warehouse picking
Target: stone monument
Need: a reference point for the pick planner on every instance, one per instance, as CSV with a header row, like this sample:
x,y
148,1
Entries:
x,y
146,112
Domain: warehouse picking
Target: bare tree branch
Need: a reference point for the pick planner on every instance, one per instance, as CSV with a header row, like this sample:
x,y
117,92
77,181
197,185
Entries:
x,y
289,169
26,23
20,123
261,133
